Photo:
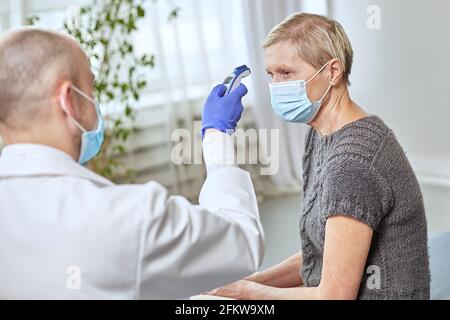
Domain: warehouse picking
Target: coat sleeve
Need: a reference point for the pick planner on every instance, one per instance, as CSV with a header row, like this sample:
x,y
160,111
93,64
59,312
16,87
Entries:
x,y
187,249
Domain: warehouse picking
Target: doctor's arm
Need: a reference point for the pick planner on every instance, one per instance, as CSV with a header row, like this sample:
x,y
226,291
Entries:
x,y
188,249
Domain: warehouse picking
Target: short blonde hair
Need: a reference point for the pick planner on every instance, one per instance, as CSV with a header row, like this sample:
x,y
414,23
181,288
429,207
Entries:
x,y
318,39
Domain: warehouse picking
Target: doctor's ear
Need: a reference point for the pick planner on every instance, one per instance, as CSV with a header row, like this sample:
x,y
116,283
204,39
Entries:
x,y
65,99
335,70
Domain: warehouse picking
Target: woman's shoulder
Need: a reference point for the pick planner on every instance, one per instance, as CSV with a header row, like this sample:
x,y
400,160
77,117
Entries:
x,y
361,139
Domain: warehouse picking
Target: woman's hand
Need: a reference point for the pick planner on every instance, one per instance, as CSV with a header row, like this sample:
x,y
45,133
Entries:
x,y
240,290
248,290
284,275
261,284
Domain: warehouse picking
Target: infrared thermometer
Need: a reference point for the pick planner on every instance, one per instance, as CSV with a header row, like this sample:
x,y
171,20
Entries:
x,y
234,80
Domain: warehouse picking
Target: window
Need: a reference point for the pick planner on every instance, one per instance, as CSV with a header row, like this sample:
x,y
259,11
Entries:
x,y
3,21
4,16
191,52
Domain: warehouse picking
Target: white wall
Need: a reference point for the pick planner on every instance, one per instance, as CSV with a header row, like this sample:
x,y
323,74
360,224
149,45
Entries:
x,y
402,73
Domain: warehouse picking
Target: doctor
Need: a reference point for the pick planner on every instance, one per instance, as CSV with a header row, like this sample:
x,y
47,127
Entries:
x,y
67,233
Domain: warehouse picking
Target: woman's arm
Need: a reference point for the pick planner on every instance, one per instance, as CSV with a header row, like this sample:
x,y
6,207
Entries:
x,y
284,275
347,244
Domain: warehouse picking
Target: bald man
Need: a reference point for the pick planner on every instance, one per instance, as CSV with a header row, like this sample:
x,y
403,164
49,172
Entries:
x,y
67,233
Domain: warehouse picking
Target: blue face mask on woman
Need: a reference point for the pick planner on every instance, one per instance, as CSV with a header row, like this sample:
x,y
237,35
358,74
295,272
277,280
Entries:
x,y
91,141
290,100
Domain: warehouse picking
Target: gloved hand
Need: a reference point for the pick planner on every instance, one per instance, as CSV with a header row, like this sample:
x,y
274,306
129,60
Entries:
x,y
223,112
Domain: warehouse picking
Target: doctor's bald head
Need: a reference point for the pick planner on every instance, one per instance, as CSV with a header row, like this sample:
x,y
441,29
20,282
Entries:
x,y
42,74
33,63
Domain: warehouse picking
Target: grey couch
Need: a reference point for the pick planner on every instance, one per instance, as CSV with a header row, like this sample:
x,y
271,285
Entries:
x,y
440,266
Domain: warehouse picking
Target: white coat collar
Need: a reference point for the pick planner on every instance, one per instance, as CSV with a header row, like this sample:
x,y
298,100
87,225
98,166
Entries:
x,y
20,160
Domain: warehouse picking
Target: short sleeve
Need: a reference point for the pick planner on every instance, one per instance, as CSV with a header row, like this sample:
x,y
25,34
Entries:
x,y
353,187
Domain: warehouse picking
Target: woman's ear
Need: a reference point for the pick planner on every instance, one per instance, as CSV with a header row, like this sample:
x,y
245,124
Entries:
x,y
336,70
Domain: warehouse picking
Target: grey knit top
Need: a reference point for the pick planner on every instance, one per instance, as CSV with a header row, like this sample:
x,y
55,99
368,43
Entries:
x,y
362,171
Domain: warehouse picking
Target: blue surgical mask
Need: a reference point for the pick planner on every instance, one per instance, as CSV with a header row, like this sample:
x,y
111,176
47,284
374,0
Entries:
x,y
91,141
290,100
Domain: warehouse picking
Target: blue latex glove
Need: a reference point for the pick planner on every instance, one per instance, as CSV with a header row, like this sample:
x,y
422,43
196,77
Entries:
x,y
223,112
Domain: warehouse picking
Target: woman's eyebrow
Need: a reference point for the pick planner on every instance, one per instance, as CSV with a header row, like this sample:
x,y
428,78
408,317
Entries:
x,y
284,67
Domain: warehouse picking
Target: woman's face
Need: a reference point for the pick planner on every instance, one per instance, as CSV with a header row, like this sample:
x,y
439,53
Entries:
x,y
284,64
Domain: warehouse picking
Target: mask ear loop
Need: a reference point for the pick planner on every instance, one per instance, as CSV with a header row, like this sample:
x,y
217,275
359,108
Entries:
x,y
81,93
325,95
63,106
317,73
97,107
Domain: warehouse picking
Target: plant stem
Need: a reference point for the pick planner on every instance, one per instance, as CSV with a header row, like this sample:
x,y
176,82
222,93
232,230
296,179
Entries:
x,y
102,76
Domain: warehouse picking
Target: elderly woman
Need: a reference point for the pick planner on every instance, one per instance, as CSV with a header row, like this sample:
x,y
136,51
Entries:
x,y
363,229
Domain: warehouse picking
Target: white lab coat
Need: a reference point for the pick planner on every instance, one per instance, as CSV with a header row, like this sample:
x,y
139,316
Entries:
x,y
67,233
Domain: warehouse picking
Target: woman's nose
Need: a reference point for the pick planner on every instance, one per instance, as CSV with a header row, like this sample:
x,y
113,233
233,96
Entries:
x,y
276,79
